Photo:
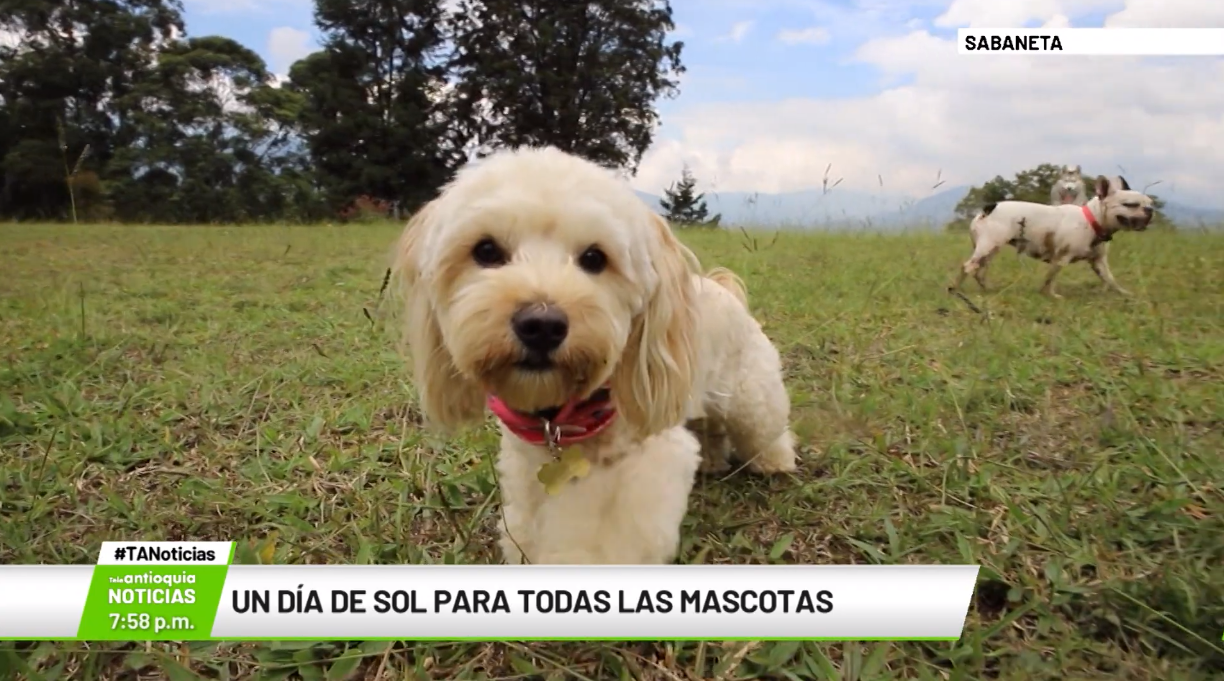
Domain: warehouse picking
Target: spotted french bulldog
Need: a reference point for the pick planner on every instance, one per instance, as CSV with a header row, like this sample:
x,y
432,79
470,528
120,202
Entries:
x,y
1059,235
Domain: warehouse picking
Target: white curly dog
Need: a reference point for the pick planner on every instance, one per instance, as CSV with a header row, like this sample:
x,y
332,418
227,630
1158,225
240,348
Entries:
x,y
540,286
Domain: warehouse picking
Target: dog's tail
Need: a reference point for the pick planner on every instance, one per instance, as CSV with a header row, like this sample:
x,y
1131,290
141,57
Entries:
x,y
730,281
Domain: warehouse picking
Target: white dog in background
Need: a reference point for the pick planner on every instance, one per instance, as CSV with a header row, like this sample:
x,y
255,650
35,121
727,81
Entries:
x,y
538,284
1058,235
1069,188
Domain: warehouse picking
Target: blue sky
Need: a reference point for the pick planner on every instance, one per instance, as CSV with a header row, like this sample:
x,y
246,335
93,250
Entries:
x,y
734,50
778,89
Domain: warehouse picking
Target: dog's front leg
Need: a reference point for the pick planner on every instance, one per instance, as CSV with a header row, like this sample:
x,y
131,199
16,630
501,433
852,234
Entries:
x,y
626,511
715,445
972,266
985,246
1100,265
979,274
522,496
1056,265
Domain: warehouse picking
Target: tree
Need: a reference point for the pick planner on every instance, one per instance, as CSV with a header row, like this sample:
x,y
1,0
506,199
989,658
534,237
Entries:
x,y
683,205
580,76
1033,185
208,137
994,191
59,86
375,110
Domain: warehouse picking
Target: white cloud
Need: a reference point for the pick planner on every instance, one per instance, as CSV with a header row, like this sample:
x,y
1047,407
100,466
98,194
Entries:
x,y
10,39
1123,13
738,31
815,35
287,45
1169,14
1016,13
969,117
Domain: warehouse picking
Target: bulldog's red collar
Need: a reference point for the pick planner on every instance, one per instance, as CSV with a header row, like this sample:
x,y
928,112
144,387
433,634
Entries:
x,y
1092,222
574,422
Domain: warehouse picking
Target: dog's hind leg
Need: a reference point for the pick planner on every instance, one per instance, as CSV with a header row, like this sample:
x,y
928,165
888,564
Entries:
x,y
758,428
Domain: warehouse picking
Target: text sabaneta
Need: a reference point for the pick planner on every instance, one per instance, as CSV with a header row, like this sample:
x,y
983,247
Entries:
x,y
558,601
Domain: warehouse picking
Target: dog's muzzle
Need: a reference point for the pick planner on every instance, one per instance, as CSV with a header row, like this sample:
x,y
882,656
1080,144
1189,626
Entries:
x,y
1148,214
1137,224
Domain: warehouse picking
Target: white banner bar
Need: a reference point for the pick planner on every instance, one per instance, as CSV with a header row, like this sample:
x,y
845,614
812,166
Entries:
x,y
42,601
1148,42
650,602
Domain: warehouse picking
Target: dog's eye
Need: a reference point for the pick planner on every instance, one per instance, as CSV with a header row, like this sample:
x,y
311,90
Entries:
x,y
487,253
1132,204
593,260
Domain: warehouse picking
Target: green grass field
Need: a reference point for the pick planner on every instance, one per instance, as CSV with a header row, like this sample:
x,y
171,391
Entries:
x,y
224,383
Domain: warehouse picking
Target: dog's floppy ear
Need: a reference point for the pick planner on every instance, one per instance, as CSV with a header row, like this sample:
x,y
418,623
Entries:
x,y
1103,187
1078,171
448,399
654,379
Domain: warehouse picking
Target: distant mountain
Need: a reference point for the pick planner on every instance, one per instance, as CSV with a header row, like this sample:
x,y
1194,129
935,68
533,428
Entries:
x,y
836,209
1193,216
849,209
651,200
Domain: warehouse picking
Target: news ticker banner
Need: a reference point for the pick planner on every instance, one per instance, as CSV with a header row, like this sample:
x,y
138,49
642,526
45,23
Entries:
x,y
176,591
1135,42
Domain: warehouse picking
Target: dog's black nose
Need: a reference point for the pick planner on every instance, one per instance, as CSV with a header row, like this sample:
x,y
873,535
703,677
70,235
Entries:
x,y
541,328
1148,210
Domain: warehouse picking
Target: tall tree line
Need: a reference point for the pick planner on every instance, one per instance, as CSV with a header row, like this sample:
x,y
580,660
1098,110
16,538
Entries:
x,y
111,110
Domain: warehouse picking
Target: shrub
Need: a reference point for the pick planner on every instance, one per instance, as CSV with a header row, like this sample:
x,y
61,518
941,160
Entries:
x,y
90,197
366,208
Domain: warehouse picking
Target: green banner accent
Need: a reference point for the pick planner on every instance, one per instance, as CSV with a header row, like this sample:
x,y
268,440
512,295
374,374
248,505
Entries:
x,y
152,602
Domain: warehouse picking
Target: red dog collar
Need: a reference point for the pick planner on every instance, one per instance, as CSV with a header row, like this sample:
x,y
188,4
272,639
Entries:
x,y
1092,221
576,421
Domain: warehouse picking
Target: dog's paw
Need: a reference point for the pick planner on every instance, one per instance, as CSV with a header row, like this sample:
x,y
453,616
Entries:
x,y
768,467
715,456
778,457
